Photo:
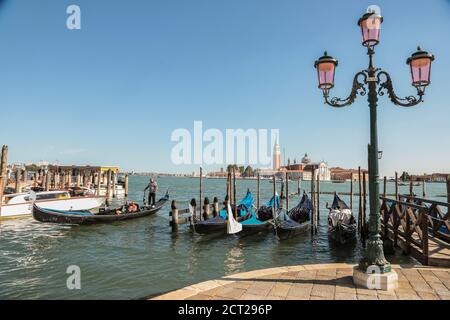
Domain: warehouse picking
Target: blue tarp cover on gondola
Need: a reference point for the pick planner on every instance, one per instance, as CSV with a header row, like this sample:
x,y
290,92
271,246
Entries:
x,y
252,220
270,202
247,202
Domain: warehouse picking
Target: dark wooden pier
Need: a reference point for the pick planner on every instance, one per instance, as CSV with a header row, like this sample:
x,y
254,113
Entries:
x,y
416,226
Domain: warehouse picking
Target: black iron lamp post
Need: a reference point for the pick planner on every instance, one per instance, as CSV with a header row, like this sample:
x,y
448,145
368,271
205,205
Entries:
x,y
374,82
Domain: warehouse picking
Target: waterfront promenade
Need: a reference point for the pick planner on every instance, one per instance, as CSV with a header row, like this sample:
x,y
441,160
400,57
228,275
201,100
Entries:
x,y
317,282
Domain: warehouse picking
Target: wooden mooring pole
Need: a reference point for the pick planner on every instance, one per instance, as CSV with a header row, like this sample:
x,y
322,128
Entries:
x,y
396,185
351,192
384,186
287,193
318,199
216,207
448,192
313,201
114,186
258,199
126,185
274,206
3,166
17,182
201,192
424,191
206,209
411,190
174,213
234,194
108,187
99,182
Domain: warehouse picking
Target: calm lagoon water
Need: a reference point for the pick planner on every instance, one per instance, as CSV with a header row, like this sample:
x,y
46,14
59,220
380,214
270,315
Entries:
x,y
130,260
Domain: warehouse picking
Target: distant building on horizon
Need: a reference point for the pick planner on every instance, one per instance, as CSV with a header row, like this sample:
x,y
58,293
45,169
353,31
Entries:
x,y
341,174
276,156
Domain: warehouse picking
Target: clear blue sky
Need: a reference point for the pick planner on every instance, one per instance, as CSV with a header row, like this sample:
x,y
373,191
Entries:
x,y
113,92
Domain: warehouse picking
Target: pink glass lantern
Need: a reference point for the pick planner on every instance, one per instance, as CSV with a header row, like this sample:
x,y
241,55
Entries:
x,y
420,63
370,24
326,66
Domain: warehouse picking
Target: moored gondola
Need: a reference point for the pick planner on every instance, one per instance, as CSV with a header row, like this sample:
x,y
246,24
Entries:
x,y
296,221
85,217
261,220
341,222
218,224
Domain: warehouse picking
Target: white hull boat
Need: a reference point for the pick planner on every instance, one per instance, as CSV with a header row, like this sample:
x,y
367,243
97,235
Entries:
x,y
21,205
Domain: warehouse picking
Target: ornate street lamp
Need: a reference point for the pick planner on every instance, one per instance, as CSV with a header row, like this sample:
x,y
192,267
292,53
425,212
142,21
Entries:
x,y
374,82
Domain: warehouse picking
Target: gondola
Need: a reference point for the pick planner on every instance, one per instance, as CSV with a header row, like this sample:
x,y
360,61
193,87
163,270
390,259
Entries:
x,y
341,222
218,224
84,217
296,221
261,220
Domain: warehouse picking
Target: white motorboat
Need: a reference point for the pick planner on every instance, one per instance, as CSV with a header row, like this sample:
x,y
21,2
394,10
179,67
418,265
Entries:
x,y
21,204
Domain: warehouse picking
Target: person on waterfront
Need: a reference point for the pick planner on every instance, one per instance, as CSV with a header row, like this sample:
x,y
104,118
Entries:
x,y
152,187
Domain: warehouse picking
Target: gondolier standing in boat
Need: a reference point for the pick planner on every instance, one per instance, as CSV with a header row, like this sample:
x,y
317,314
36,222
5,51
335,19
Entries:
x,y
152,187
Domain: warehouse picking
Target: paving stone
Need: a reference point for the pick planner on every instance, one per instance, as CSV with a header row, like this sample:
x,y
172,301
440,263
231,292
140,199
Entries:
x,y
241,284
260,288
321,290
199,297
300,290
439,288
386,297
230,292
366,297
344,296
366,292
280,289
427,296
345,289
273,298
248,296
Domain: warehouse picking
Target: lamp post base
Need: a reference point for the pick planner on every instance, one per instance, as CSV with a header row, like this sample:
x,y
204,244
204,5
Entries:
x,y
375,281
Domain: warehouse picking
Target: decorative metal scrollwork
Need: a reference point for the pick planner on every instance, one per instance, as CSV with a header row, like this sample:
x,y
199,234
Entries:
x,y
387,86
357,88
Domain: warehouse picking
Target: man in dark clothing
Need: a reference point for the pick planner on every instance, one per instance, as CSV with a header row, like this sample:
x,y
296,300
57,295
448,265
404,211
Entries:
x,y
152,187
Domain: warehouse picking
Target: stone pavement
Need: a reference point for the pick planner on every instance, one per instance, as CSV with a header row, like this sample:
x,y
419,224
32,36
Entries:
x,y
317,282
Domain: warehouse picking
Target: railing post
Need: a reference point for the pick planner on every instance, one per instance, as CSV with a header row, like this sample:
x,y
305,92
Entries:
x,y
407,232
174,214
424,227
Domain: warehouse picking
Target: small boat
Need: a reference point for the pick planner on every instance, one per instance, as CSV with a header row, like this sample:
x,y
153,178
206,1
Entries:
x,y
20,204
261,220
341,222
86,217
218,224
296,221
